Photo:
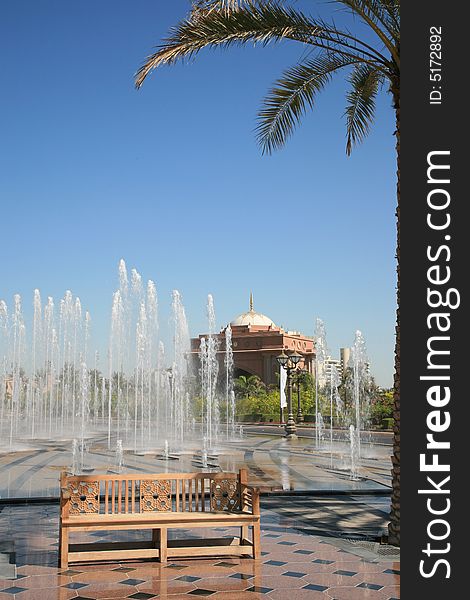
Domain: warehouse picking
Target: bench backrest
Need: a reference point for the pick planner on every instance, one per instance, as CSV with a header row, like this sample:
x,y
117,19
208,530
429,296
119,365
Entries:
x,y
162,492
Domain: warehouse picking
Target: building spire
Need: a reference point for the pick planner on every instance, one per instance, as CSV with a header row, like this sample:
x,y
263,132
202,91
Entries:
x,y
251,302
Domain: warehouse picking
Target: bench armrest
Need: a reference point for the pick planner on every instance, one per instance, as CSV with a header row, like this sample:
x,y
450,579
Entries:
x,y
249,499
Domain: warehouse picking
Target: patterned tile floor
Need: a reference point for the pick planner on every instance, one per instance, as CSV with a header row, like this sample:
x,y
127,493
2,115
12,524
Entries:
x,y
295,565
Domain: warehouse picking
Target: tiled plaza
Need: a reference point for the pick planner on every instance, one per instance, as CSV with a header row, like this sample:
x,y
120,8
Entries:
x,y
32,469
301,558
319,528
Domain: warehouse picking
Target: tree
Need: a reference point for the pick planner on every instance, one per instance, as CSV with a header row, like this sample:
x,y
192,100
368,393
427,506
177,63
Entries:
x,y
381,406
250,385
369,67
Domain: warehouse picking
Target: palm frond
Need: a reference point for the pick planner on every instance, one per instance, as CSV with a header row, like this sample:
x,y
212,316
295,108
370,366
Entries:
x,y
257,22
360,107
393,9
204,5
293,93
381,16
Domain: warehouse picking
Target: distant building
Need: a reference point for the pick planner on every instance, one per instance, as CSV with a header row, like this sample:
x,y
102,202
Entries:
x,y
345,355
330,365
256,341
341,365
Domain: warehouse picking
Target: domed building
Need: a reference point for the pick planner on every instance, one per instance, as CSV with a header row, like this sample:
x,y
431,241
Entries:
x,y
256,341
252,319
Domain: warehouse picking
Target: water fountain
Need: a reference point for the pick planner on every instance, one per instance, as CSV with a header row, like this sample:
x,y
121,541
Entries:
x,y
359,385
229,392
55,386
208,375
48,375
119,456
180,409
335,403
320,429
354,452
321,353
76,460
166,450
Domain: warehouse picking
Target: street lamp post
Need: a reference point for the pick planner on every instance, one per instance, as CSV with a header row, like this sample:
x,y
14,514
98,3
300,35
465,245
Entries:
x,y
300,416
289,362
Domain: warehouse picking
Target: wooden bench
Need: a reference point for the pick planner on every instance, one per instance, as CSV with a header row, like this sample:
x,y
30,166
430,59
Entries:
x,y
158,503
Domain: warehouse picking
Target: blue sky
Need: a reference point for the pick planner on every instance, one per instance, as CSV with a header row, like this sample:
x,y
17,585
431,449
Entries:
x,y
170,178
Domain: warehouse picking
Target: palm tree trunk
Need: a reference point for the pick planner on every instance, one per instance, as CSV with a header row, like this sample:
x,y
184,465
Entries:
x,y
394,525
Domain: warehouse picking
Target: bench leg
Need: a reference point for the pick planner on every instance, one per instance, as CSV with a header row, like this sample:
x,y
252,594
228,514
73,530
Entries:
x,y
64,547
256,541
156,537
163,545
243,533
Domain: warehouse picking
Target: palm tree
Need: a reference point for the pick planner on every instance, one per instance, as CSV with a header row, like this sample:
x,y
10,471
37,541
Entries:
x,y
370,66
250,385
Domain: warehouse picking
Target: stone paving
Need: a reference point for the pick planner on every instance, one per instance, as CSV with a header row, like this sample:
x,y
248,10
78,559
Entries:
x,y
274,464
319,528
302,558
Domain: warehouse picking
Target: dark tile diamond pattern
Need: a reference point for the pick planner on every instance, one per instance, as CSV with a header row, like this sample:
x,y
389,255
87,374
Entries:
x,y
345,573
321,561
315,587
141,596
259,589
370,586
287,543
75,585
294,574
13,590
132,581
275,563
201,592
392,571
70,572
241,576
188,578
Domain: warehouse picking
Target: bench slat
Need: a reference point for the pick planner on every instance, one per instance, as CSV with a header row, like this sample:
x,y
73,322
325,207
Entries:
x,y
159,517
156,476
106,497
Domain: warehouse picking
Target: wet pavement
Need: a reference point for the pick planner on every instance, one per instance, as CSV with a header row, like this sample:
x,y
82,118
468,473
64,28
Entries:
x,y
274,464
310,549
